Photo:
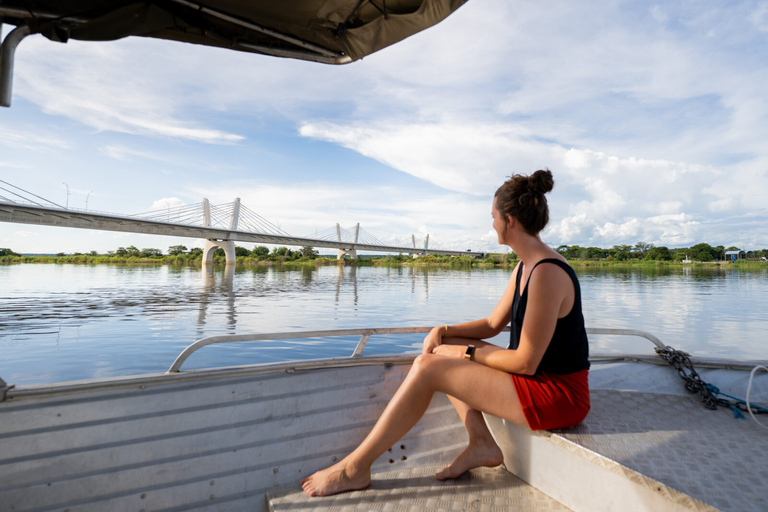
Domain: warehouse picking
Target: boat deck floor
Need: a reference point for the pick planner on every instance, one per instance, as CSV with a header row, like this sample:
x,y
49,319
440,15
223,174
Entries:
x,y
710,456
416,489
696,458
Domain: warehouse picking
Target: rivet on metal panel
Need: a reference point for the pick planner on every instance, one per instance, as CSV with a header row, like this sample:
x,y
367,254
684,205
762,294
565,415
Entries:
x,y
213,482
212,497
275,470
143,495
334,459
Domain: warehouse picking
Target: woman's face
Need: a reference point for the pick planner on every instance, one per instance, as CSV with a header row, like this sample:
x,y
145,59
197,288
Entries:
x,y
499,223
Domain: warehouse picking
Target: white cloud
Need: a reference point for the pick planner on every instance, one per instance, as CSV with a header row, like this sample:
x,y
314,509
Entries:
x,y
20,138
95,84
471,158
166,203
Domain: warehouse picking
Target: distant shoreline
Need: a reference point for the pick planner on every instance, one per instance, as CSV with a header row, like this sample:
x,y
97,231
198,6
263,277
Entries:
x,y
492,261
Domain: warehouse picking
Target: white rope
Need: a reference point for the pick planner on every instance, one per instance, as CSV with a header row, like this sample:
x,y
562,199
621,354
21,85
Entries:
x,y
749,388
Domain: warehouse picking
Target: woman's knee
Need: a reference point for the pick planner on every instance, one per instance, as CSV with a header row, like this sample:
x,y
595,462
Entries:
x,y
424,363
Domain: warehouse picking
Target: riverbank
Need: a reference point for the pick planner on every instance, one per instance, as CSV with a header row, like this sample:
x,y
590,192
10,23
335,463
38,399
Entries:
x,y
492,261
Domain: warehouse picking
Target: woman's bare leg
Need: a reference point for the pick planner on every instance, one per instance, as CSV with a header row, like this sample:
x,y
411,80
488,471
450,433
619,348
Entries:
x,y
480,387
482,449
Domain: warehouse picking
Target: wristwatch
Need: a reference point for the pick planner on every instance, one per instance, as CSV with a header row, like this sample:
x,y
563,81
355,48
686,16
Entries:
x,y
469,355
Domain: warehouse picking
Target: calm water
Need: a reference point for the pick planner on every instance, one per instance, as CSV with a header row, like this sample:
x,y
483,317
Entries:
x,y
70,322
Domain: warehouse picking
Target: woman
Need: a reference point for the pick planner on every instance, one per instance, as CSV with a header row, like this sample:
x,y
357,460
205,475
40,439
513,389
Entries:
x,y
540,381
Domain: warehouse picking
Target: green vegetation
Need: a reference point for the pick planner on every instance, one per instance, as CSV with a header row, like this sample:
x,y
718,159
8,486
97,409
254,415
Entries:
x,y
639,254
648,253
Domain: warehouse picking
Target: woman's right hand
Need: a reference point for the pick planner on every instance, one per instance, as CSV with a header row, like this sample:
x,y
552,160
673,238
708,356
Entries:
x,y
433,339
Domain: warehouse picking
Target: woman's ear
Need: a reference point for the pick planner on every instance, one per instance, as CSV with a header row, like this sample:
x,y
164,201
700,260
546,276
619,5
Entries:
x,y
510,220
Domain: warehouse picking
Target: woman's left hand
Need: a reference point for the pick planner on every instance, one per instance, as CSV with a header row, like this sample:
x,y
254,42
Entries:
x,y
450,350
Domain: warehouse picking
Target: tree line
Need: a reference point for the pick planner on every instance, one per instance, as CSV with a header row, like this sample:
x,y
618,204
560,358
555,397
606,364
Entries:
x,y
644,251
181,253
639,252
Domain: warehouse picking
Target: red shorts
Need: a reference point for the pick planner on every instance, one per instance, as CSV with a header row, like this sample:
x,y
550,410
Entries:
x,y
552,401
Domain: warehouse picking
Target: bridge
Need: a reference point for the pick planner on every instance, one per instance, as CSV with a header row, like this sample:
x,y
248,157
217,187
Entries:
x,y
219,225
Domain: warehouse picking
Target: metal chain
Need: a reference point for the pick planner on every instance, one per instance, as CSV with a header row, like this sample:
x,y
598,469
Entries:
x,y
681,361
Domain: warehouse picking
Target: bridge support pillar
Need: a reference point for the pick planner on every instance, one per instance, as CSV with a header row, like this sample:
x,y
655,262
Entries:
x,y
212,245
352,253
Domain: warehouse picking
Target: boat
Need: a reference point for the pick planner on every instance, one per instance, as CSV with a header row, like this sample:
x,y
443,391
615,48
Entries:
x,y
240,438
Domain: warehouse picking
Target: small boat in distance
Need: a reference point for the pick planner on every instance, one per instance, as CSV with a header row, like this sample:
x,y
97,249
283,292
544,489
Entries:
x,y
240,438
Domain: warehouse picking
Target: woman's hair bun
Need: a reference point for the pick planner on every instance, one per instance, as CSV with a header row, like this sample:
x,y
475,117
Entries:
x,y
541,181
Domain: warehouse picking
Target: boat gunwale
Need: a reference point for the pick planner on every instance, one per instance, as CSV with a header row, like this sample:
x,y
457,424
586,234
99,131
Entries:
x,y
11,392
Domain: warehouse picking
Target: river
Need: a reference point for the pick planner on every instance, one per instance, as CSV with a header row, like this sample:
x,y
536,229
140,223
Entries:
x,y
72,322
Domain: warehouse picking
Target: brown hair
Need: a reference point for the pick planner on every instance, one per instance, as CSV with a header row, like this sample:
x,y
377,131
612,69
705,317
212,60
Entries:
x,y
523,198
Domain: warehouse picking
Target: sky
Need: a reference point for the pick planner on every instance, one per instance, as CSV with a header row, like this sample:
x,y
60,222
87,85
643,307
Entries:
x,y
653,119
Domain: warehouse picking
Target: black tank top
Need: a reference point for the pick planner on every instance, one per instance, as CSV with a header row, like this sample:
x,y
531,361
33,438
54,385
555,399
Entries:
x,y
568,351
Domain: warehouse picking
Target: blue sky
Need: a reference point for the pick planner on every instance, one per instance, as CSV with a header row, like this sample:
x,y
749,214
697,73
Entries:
x,y
652,117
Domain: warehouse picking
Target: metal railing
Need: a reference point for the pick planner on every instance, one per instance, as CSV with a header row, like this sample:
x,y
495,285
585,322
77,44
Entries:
x,y
364,334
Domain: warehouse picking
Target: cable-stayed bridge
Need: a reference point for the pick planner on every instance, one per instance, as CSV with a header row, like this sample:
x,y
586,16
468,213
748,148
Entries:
x,y
219,225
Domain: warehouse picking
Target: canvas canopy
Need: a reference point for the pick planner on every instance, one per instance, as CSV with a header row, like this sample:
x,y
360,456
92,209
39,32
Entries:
x,y
330,31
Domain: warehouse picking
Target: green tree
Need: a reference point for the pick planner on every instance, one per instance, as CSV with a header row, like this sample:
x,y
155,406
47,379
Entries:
x,y
621,252
175,250
280,251
571,252
642,249
511,257
659,254
132,251
8,252
150,253
241,251
704,252
260,251
195,252
308,252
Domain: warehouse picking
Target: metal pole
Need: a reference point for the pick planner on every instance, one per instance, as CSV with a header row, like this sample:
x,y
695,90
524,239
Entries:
x,y
86,199
7,52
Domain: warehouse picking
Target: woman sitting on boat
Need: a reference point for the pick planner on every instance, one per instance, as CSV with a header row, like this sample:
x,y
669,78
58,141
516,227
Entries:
x,y
539,381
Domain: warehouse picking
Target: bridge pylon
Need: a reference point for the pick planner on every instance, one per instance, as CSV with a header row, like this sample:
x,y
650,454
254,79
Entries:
x,y
228,245
352,252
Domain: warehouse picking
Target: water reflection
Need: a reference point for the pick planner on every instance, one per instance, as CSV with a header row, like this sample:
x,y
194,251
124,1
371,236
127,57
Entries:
x,y
217,284
346,275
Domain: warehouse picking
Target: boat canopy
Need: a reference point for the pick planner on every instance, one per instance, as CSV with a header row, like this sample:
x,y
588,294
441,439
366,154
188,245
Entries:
x,y
327,31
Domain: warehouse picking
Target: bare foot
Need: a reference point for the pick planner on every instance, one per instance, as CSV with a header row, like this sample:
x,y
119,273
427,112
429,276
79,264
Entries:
x,y
486,455
337,478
